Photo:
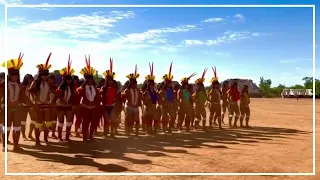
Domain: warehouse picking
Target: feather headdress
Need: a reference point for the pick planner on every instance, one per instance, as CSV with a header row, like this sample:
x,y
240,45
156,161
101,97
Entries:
x,y
186,79
88,70
109,73
168,77
135,75
215,78
202,79
150,77
44,68
67,71
14,65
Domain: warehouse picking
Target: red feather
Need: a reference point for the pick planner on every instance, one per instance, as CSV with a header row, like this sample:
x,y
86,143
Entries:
x,y
152,69
20,59
69,64
170,69
214,71
204,73
193,74
47,62
111,65
136,70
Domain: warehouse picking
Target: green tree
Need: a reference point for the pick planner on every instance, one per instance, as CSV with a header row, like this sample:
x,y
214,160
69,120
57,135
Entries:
x,y
265,86
278,90
308,82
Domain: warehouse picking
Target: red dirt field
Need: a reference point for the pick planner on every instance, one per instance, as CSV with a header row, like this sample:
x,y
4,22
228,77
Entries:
x,y
280,141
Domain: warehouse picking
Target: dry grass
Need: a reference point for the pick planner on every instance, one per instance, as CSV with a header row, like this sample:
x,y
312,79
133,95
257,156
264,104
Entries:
x,y
281,141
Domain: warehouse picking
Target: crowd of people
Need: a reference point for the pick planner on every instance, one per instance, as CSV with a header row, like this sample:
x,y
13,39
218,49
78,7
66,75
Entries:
x,y
165,107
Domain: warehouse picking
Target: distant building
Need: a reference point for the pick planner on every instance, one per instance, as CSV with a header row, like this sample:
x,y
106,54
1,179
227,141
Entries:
x,y
292,93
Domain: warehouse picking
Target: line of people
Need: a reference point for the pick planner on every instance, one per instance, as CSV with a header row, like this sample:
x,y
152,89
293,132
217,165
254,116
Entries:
x,y
164,107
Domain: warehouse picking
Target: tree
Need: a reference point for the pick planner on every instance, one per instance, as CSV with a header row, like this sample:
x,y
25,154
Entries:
x,y
278,90
297,86
265,85
308,82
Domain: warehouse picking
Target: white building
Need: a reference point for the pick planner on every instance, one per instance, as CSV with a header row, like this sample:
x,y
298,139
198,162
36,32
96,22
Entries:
x,y
296,92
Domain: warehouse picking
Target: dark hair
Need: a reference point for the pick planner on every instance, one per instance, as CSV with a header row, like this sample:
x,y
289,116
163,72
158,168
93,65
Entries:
x,y
81,81
2,75
224,85
128,84
63,86
160,86
199,86
75,78
102,83
85,82
245,88
38,80
146,84
234,84
18,80
26,79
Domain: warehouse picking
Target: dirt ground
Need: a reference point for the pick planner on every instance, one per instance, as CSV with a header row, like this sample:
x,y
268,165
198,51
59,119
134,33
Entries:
x,y
280,141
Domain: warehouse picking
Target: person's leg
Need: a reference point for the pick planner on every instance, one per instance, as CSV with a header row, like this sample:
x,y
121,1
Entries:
x,y
33,118
48,124
17,128
54,118
136,120
69,120
24,116
60,115
85,123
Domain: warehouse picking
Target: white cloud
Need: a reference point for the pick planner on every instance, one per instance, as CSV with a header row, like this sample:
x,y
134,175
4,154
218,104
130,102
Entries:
x,y
212,20
155,36
11,2
82,26
239,16
193,42
37,45
227,37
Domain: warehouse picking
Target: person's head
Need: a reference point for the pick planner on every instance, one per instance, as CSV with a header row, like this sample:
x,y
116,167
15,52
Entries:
x,y
185,85
13,75
133,84
101,83
44,74
200,87
151,85
75,80
89,80
169,84
225,84
27,80
234,85
110,82
245,89
2,77
216,85
68,80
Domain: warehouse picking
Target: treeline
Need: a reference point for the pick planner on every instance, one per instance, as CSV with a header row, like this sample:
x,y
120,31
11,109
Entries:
x,y
268,91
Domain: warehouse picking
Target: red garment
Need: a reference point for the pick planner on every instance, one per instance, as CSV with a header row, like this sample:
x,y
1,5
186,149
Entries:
x,y
235,95
111,93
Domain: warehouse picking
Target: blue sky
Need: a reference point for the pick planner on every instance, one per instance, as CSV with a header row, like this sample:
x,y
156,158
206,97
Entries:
x,y
275,43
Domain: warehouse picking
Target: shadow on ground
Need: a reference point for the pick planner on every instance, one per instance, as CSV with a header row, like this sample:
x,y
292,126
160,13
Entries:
x,y
80,153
